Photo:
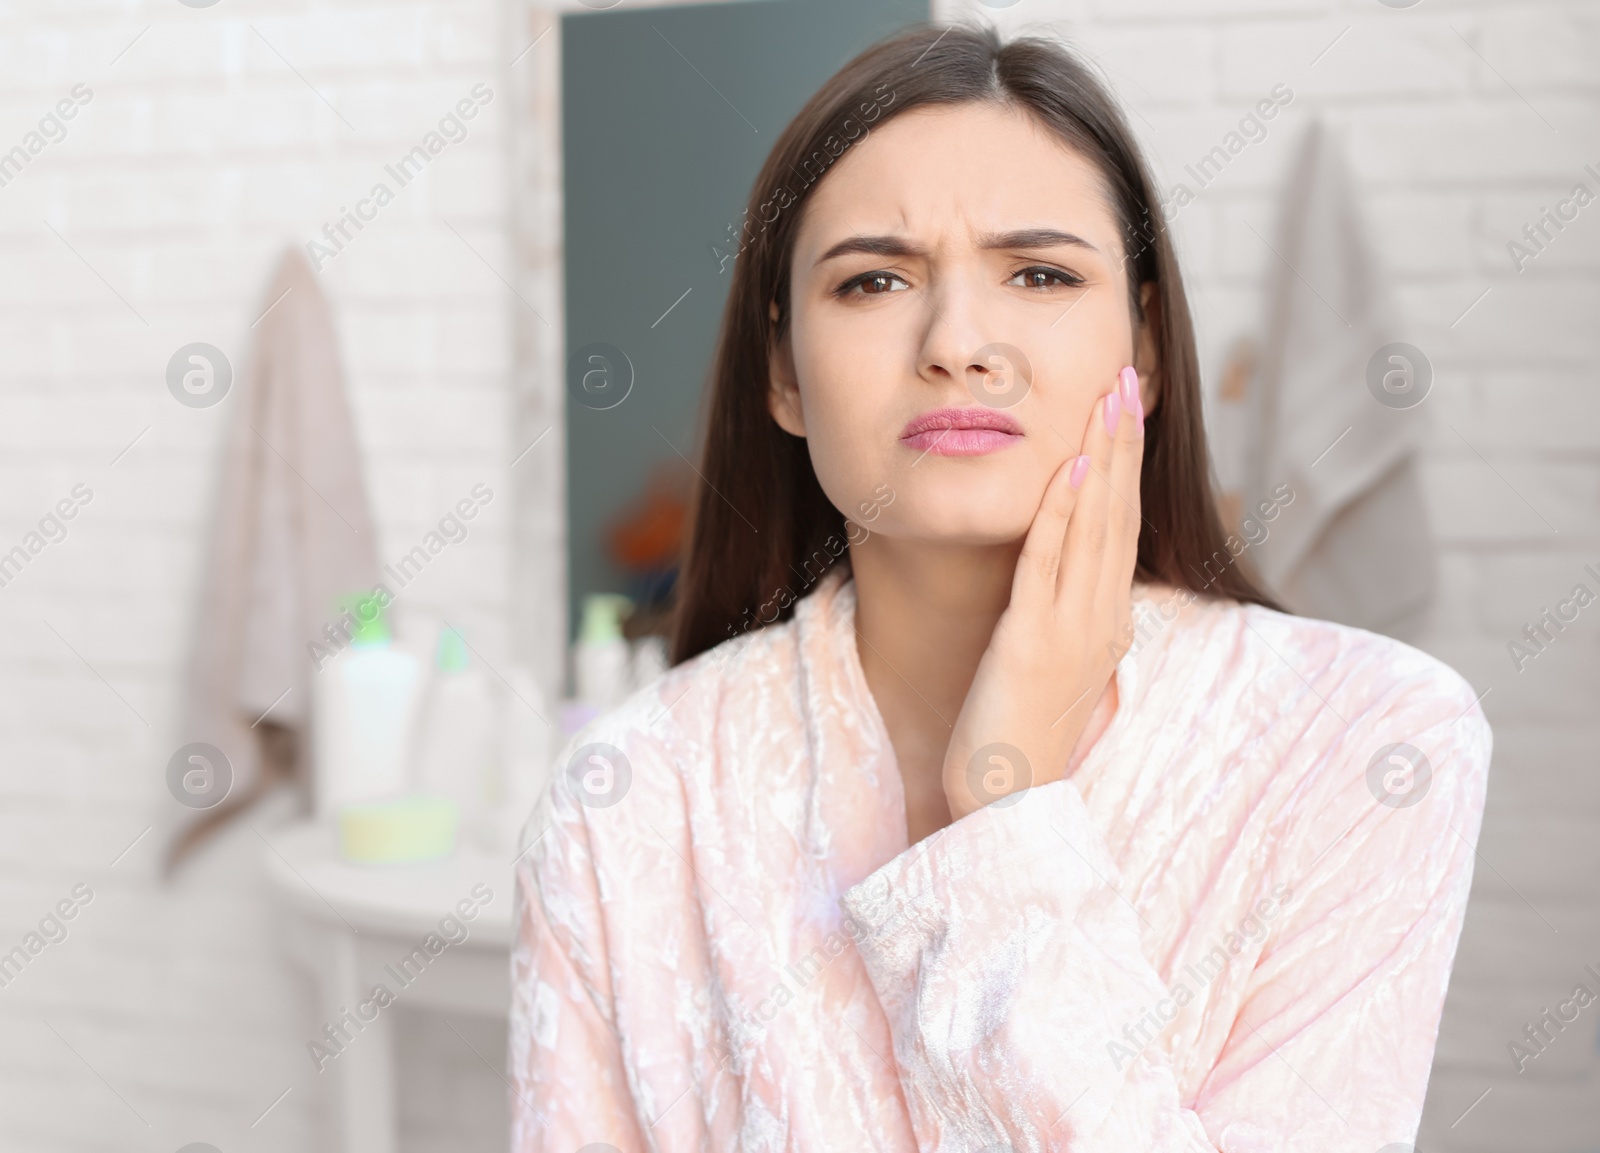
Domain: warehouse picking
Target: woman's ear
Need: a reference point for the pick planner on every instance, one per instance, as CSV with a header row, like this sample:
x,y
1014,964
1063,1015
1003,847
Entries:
x,y
1147,347
783,389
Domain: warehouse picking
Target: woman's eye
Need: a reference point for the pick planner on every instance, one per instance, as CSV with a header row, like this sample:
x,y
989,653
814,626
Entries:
x,y
1042,277
879,283
872,284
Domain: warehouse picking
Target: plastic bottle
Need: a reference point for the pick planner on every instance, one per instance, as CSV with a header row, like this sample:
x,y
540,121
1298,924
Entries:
x,y
456,736
365,702
649,660
602,662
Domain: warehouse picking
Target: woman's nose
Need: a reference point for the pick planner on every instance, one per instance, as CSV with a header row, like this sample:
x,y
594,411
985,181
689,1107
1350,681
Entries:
x,y
962,343
956,332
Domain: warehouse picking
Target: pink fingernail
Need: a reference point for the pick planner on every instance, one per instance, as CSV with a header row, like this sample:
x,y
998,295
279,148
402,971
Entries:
x,y
1128,378
1080,469
1113,412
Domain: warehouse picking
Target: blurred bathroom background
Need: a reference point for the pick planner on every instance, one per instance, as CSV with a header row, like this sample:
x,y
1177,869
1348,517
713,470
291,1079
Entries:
x,y
394,316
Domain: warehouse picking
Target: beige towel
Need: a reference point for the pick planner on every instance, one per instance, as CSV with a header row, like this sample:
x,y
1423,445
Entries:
x,y
291,532
1354,545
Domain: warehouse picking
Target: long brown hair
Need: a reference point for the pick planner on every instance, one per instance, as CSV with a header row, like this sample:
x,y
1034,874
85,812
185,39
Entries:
x,y
761,529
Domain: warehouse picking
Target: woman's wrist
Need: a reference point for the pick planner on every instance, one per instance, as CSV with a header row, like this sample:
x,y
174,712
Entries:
x,y
1001,769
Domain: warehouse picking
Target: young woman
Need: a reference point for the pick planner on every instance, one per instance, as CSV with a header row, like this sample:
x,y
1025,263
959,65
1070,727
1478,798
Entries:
x,y
988,804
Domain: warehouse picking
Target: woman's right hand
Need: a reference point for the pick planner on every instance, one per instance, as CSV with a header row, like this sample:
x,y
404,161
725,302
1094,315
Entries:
x,y
1068,622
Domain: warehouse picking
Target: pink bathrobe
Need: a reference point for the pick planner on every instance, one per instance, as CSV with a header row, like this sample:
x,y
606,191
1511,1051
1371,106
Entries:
x,y
1230,928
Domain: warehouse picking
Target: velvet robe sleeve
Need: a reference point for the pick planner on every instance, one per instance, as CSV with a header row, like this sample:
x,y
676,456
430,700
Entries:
x,y
569,1085
1008,965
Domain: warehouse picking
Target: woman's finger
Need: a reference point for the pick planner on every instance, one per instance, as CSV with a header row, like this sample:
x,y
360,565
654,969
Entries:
x,y
1033,586
1088,533
1114,596
1123,484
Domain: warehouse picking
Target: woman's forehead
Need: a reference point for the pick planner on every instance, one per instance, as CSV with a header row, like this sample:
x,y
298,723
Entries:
x,y
952,175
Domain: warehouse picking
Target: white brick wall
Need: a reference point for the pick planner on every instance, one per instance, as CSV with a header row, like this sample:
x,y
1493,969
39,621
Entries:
x,y
202,153
200,156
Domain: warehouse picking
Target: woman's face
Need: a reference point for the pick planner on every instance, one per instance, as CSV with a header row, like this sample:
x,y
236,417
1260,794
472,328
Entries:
x,y
958,303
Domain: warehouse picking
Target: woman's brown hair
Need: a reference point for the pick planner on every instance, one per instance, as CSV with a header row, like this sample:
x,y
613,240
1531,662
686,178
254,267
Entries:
x,y
761,530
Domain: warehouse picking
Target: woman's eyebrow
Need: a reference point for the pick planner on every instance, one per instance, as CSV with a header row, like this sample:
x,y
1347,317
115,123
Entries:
x,y
898,246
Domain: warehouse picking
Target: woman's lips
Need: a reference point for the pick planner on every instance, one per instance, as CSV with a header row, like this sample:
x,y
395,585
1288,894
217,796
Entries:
x,y
961,431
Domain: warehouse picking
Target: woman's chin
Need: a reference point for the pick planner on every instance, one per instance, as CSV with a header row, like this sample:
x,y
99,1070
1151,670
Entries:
x,y
957,528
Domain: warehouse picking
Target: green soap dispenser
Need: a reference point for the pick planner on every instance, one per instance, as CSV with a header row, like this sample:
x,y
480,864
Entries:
x,y
455,740
601,657
365,698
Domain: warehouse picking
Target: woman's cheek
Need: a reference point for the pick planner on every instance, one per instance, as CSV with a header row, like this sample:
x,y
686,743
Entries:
x,y
849,473
852,429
